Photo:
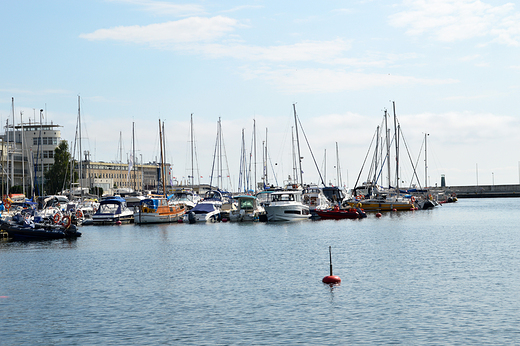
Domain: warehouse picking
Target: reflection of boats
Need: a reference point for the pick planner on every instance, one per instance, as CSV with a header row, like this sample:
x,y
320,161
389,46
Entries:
x,y
113,210
248,209
27,230
336,213
286,206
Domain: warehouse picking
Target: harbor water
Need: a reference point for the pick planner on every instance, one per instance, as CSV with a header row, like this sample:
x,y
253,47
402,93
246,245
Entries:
x,y
444,276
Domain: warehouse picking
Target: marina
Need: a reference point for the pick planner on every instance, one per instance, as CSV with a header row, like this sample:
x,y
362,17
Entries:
x,y
440,276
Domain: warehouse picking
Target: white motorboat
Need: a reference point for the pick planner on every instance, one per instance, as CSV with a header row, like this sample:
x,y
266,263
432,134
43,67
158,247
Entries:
x,y
248,209
286,206
113,210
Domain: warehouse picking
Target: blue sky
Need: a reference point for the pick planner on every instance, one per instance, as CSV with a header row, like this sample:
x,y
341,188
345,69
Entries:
x,y
452,68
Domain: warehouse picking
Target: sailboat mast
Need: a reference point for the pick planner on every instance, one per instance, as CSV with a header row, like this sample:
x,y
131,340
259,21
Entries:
x,y
12,151
120,156
162,159
266,160
23,163
298,144
191,137
133,153
425,162
387,130
396,129
325,167
254,153
338,171
80,152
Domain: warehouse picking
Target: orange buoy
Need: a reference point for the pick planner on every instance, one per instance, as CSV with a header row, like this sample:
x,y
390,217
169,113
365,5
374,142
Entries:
x,y
378,215
331,279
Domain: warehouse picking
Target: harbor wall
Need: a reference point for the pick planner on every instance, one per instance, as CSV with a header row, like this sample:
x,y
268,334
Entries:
x,y
481,191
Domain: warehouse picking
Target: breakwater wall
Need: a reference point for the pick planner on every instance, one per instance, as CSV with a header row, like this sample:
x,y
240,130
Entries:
x,y
482,191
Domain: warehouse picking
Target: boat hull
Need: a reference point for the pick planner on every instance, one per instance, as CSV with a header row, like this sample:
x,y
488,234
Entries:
x,y
287,213
19,232
112,219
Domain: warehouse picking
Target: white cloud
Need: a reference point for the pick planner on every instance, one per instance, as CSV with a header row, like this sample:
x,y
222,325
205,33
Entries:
x,y
327,80
317,51
193,29
455,20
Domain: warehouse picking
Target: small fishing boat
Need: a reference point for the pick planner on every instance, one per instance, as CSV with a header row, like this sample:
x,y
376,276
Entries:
x,y
336,213
113,210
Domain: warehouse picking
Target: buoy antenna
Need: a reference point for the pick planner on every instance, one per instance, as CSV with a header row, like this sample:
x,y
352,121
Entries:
x,y
331,279
330,259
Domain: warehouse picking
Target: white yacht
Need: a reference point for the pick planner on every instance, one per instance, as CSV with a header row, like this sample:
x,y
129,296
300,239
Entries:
x,y
286,206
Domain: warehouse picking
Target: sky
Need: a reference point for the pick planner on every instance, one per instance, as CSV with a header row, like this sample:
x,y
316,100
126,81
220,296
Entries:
x,y
451,68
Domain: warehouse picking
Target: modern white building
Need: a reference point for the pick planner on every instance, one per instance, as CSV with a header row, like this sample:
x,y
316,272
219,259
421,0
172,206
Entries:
x,y
27,151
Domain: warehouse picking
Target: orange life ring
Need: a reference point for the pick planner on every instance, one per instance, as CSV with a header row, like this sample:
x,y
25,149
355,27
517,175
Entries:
x,y
56,217
66,221
79,214
413,199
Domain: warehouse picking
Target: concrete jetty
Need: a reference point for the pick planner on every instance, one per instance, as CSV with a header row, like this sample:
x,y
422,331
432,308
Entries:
x,y
481,191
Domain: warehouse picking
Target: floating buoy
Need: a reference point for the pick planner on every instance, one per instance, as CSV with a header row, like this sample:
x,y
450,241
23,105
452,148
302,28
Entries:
x,y
331,279
118,222
378,215
224,220
180,220
394,209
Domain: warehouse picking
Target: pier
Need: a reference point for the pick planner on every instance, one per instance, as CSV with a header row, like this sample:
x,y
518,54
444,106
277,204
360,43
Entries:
x,y
481,191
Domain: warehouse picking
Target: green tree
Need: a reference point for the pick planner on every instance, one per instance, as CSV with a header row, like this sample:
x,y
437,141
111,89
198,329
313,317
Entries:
x,y
58,176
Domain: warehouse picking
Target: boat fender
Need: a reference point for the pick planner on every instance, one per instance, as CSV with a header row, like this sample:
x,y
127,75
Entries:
x,y
66,221
56,218
191,217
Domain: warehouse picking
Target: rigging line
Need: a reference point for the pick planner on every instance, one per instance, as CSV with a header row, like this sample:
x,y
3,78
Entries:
x,y
365,160
417,164
214,156
314,159
410,157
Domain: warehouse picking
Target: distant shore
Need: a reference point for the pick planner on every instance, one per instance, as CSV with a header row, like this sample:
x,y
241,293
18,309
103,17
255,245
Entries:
x,y
481,191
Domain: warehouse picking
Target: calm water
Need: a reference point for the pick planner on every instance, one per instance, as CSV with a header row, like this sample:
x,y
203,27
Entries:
x,y
445,276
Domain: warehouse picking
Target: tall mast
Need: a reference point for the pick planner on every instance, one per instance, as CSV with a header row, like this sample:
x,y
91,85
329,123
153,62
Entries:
x,y
12,151
23,163
338,171
254,153
387,130
120,156
325,167
266,160
425,162
133,153
191,137
41,150
80,152
162,160
294,164
396,129
298,145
